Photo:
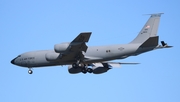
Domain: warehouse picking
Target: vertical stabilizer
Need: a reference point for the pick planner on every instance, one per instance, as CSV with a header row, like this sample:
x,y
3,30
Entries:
x,y
149,30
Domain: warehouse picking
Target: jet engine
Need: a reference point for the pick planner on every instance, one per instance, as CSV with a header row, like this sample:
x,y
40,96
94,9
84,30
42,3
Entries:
x,y
60,48
52,56
97,68
74,70
100,70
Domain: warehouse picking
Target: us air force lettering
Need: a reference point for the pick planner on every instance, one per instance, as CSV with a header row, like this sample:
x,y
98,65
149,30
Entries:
x,y
94,59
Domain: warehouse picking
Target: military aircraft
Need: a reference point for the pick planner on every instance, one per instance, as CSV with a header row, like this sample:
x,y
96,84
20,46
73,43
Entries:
x,y
95,59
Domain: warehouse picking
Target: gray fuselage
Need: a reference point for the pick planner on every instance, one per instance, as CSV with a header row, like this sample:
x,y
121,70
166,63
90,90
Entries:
x,y
94,54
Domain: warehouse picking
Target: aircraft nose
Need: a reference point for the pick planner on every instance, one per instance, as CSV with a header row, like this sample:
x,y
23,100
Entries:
x,y
13,61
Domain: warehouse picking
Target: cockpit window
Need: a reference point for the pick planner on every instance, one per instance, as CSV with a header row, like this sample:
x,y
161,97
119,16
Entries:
x,y
19,56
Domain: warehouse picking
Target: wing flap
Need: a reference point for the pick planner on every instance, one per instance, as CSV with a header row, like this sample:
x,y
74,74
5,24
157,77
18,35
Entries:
x,y
77,47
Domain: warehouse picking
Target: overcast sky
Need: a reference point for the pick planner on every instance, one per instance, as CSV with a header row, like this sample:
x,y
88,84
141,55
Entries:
x,y
39,24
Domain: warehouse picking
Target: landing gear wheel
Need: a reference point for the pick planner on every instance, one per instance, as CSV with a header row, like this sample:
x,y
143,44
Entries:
x,y
30,71
74,65
84,70
89,70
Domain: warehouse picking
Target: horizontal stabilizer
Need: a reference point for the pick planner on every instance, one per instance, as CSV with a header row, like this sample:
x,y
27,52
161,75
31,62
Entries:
x,y
160,47
164,45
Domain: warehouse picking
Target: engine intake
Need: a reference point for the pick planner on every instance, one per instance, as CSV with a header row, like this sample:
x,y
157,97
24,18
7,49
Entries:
x,y
52,56
60,48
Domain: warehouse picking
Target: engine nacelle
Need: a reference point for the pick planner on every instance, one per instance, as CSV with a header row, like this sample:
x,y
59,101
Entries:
x,y
100,70
73,70
60,48
52,56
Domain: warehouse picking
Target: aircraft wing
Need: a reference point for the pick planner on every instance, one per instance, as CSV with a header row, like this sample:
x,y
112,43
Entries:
x,y
79,43
102,67
77,46
110,64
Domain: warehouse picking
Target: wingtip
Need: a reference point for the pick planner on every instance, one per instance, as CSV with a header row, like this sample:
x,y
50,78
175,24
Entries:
x,y
86,32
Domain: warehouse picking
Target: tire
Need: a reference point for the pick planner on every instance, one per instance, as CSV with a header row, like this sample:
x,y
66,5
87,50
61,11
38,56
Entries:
x,y
84,70
30,71
89,70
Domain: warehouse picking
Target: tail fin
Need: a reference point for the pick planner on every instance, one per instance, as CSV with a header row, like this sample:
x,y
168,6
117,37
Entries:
x,y
149,30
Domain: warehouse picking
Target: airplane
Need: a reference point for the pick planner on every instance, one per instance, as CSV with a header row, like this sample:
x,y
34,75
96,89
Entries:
x,y
94,59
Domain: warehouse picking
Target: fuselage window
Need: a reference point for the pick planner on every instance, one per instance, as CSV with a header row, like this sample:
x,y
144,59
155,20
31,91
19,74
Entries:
x,y
121,48
107,51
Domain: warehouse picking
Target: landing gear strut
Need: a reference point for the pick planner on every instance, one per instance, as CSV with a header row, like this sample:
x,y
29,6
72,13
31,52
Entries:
x,y
84,67
30,71
75,65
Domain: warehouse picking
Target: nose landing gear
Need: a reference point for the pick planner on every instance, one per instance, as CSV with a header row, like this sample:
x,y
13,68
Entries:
x,y
30,71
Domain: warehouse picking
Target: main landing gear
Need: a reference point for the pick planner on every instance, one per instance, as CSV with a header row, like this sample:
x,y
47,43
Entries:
x,y
84,68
